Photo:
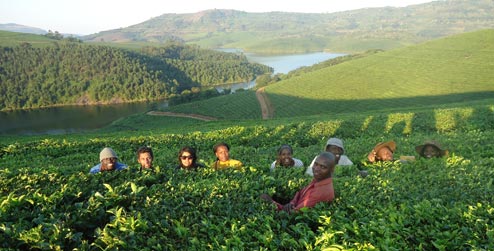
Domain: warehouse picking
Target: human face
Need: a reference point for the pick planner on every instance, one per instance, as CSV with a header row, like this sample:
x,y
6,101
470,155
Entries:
x,y
285,157
335,150
108,164
222,153
186,159
145,160
431,151
322,168
384,154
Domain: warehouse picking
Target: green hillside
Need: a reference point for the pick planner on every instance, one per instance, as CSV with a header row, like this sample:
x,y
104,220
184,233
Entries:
x,y
282,32
11,39
447,70
450,70
65,72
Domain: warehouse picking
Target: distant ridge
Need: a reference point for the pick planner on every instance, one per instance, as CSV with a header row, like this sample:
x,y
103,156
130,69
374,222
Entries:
x,y
282,32
22,28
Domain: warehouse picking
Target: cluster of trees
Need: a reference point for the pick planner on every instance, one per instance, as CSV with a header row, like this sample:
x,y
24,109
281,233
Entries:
x,y
207,67
75,73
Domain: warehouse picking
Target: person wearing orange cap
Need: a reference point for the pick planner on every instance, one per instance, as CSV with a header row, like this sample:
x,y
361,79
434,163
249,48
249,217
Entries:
x,y
431,149
382,152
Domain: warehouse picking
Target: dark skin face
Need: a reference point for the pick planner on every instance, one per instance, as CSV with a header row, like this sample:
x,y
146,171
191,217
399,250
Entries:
x,y
337,151
384,154
108,164
285,158
322,168
431,151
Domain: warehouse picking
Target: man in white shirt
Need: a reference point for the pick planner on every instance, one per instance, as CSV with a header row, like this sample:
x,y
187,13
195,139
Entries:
x,y
334,146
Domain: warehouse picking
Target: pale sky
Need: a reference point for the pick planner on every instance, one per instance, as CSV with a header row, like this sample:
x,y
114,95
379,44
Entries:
x,y
85,17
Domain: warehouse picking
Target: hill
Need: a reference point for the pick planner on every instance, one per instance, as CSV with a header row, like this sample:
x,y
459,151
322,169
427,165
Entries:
x,y
65,72
279,32
22,28
11,39
449,70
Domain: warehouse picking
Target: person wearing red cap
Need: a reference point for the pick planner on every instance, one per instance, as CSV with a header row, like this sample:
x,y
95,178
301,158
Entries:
x,y
108,162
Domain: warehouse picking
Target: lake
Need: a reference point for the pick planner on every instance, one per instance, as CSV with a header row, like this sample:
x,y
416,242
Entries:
x,y
67,119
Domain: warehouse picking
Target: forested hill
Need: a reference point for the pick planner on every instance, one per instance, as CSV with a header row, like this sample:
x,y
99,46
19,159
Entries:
x,y
274,32
75,73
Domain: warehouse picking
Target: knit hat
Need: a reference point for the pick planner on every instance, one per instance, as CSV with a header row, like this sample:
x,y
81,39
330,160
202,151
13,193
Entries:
x,y
420,149
335,142
107,153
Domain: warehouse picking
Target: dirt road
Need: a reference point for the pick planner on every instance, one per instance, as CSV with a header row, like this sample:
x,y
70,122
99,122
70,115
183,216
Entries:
x,y
266,108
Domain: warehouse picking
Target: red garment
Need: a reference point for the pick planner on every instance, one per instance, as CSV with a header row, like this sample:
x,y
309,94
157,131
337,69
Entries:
x,y
312,194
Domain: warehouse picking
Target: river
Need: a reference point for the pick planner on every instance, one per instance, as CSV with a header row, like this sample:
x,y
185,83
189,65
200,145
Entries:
x,y
67,119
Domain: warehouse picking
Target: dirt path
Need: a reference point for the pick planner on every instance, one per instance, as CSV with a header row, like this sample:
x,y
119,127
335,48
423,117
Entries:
x,y
183,115
267,108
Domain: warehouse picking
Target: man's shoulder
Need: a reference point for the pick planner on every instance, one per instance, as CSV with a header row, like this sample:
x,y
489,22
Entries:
x,y
121,166
95,168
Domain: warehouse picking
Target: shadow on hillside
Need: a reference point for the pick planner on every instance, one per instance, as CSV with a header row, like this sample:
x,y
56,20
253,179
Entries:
x,y
397,115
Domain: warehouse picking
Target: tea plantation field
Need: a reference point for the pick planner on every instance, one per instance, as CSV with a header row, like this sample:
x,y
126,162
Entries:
x,y
49,201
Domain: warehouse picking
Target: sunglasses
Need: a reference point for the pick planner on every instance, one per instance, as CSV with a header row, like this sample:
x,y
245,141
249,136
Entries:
x,y
186,157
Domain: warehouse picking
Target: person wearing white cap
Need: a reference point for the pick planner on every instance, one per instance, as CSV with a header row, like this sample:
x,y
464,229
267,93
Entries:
x,y
108,162
334,146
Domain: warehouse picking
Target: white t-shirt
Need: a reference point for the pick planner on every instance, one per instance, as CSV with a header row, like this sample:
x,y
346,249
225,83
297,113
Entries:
x,y
344,161
298,163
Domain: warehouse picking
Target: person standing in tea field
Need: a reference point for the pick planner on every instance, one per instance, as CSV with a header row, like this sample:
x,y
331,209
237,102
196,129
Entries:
x,y
285,158
145,158
187,159
223,161
108,162
334,146
319,190
431,149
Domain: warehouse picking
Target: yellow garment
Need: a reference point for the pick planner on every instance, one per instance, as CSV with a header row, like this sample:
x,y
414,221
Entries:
x,y
220,165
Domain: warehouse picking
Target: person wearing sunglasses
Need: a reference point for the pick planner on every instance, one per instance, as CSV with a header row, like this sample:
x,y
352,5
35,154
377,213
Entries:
x,y
187,159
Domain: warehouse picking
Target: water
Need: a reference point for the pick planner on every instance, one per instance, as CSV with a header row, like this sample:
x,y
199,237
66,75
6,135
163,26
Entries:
x,y
287,63
59,120
67,119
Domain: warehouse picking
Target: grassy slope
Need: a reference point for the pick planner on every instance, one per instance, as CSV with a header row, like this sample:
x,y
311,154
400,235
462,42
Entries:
x,y
449,70
10,39
435,72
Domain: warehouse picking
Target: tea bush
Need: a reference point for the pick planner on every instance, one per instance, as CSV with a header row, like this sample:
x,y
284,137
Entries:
x,y
49,201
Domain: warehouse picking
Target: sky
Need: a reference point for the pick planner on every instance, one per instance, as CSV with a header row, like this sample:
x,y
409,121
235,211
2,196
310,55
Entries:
x,y
84,17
